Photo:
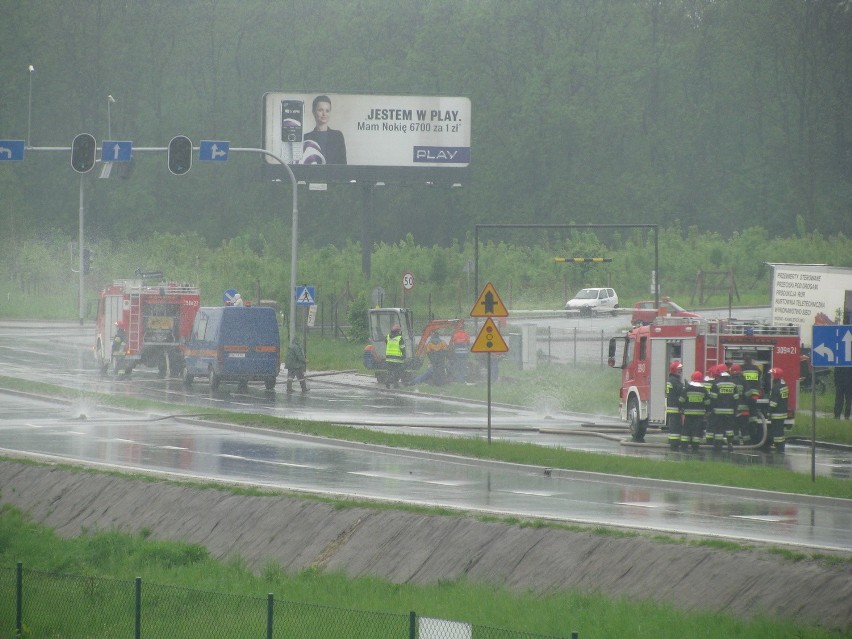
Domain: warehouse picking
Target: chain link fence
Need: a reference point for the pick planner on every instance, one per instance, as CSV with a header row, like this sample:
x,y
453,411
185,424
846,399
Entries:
x,y
42,604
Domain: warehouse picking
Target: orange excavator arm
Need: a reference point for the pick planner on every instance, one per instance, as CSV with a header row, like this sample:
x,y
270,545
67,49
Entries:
x,y
431,327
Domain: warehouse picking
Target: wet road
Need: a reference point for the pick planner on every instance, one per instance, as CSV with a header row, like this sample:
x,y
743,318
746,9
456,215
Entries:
x,y
109,439
62,355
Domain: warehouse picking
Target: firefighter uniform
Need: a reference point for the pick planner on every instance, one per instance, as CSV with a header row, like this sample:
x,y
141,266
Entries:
x,y
694,404
741,414
674,388
779,396
724,397
752,392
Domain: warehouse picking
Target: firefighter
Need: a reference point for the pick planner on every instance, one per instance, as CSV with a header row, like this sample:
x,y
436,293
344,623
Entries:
x,y
709,378
119,342
394,356
741,414
779,393
694,404
296,364
752,392
674,387
724,397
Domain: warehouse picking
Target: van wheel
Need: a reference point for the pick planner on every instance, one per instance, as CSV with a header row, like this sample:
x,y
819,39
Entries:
x,y
638,427
269,383
214,381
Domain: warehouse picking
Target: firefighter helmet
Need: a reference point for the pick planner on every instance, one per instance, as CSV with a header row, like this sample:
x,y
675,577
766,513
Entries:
x,y
776,372
675,367
697,376
721,369
736,369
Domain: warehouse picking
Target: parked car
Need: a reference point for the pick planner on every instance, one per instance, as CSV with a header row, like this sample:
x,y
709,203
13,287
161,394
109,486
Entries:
x,y
645,312
593,300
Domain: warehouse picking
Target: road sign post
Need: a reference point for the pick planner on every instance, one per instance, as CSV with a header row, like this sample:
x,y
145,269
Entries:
x,y
832,348
489,340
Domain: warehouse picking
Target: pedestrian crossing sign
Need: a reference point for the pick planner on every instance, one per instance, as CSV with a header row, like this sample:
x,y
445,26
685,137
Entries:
x,y
489,340
305,296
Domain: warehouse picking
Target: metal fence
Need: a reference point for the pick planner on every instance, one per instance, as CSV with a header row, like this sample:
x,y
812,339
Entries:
x,y
41,604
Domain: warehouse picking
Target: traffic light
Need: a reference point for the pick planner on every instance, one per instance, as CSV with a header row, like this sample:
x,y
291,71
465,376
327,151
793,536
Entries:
x,y
180,154
83,153
87,261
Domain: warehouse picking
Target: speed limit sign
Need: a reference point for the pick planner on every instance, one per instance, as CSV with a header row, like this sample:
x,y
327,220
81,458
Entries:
x,y
407,281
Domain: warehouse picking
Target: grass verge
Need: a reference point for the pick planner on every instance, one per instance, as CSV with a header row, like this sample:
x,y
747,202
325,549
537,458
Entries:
x,y
187,586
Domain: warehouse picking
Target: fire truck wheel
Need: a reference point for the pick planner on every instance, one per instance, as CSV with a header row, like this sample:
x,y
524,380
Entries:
x,y
214,380
637,426
161,369
243,385
269,383
187,378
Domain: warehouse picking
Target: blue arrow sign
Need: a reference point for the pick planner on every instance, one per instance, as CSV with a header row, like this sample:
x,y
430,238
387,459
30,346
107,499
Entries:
x,y
305,296
115,151
11,149
832,346
213,151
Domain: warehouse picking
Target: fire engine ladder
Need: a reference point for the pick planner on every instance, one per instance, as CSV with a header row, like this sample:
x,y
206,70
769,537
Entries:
x,y
134,326
711,345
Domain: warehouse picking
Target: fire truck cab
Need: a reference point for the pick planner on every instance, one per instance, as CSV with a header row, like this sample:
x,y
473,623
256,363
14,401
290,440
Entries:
x,y
647,352
144,324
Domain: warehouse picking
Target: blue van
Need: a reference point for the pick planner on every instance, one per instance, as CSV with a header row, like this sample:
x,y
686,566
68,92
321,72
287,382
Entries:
x,y
234,344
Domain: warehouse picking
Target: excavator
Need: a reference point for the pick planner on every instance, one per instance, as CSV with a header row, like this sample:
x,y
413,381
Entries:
x,y
381,320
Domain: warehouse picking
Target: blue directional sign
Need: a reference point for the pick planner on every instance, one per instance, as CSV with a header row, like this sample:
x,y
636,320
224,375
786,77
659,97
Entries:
x,y
832,345
12,149
115,151
305,296
213,151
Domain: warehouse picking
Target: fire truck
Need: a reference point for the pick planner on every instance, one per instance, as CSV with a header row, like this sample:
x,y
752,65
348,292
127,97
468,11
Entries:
x,y
152,322
698,344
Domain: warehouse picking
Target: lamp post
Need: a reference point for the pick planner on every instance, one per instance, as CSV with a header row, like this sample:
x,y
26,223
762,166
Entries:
x,y
110,102
30,105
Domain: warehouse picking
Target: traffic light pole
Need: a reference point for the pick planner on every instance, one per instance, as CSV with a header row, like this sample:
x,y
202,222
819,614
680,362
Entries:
x,y
82,247
294,236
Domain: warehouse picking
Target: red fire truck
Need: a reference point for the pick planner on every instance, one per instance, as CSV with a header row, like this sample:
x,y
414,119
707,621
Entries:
x,y
698,344
144,324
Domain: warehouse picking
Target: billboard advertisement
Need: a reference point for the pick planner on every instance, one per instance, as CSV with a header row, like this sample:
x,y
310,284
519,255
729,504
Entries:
x,y
808,294
344,130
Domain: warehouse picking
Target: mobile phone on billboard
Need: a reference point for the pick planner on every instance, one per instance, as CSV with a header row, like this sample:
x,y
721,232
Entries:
x,y
292,129
292,117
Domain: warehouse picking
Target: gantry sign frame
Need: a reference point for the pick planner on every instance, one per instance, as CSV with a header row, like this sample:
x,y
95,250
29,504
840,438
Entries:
x,y
654,227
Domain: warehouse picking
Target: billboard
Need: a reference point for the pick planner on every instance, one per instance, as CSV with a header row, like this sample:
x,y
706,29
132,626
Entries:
x,y
336,134
807,294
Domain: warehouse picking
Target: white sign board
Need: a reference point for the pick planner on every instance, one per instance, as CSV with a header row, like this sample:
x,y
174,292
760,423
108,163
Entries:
x,y
805,294
367,130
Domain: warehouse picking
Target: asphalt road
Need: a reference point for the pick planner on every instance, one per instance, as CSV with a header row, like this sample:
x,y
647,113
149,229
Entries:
x,y
61,354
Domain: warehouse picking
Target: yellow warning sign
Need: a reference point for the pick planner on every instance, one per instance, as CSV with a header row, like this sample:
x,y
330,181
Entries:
x,y
489,340
489,304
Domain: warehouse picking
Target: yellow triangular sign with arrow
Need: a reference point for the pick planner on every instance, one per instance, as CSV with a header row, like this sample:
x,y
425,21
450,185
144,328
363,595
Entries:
x,y
489,304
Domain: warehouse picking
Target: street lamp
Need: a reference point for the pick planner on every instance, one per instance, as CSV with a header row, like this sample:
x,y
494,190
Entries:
x,y
30,105
110,101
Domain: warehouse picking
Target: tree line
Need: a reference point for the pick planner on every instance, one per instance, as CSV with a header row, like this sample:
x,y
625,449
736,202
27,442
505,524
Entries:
x,y
716,114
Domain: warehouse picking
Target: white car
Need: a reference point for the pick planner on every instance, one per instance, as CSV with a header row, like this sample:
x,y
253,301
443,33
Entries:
x,y
593,300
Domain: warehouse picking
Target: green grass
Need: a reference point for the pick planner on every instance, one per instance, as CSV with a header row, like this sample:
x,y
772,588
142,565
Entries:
x,y
83,586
